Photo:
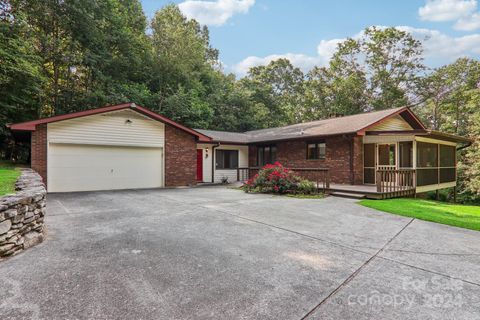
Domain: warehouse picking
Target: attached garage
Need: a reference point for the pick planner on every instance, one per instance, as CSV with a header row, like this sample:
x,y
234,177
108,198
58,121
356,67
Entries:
x,y
117,147
76,167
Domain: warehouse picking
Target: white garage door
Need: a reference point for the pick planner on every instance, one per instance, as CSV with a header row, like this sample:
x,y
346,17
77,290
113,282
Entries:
x,y
73,167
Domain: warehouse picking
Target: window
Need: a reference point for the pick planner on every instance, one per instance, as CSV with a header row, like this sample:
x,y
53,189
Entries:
x,y
266,154
316,150
226,159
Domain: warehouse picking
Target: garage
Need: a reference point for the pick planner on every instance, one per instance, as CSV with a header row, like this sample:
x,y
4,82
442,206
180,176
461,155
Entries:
x,y
74,167
123,146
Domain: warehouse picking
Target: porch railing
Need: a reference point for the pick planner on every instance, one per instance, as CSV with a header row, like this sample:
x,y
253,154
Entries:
x,y
396,182
320,176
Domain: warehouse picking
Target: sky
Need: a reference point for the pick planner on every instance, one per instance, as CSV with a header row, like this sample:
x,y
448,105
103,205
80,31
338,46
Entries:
x,y
255,32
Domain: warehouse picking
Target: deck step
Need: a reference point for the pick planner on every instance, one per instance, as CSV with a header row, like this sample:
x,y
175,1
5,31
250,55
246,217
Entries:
x,y
351,195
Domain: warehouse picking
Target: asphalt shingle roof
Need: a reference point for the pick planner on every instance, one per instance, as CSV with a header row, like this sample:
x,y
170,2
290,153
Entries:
x,y
325,127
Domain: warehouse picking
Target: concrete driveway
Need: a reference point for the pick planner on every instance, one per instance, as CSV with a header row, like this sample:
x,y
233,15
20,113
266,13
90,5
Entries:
x,y
217,253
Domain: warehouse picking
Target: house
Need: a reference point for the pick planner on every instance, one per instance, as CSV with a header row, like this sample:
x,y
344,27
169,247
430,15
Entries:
x,y
387,152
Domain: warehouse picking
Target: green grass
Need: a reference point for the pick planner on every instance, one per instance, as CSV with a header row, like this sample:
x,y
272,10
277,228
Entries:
x,y
446,213
8,177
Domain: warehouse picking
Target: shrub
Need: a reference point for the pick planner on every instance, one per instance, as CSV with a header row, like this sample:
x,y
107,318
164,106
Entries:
x,y
305,187
275,178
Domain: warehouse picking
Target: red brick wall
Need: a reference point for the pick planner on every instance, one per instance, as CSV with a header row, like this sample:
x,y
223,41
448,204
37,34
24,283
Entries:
x,y
180,158
358,160
337,159
38,149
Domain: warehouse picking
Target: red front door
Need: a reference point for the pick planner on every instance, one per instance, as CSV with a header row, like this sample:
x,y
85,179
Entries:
x,y
199,164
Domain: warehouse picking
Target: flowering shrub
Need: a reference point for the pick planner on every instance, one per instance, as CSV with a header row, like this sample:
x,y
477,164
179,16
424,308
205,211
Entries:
x,y
275,178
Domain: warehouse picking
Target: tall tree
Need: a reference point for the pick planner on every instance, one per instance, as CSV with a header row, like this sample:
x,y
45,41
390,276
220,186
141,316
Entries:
x,y
388,60
278,87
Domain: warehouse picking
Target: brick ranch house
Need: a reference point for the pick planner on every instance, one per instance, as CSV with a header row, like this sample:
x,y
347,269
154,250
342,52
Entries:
x,y
128,146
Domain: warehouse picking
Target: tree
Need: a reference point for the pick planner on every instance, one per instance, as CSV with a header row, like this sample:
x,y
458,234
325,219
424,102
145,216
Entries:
x,y
278,87
388,61
452,105
21,80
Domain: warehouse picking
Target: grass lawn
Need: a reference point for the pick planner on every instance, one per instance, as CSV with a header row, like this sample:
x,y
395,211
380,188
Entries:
x,y
452,214
8,177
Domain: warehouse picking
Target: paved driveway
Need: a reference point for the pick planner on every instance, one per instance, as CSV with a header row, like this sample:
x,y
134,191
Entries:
x,y
217,253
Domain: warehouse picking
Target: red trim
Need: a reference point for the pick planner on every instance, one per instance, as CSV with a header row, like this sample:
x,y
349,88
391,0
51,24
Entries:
x,y
32,125
404,109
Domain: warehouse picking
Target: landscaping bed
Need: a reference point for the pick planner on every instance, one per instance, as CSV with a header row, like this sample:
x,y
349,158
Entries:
x,y
463,216
277,179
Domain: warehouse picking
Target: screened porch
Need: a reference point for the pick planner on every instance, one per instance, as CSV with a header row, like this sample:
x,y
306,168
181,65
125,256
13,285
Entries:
x,y
408,163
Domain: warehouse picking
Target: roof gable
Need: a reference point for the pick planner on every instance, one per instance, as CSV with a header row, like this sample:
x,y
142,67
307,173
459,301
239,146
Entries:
x,y
395,123
32,125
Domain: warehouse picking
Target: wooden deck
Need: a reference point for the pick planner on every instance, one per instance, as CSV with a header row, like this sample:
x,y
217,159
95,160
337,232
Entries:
x,y
389,182
368,191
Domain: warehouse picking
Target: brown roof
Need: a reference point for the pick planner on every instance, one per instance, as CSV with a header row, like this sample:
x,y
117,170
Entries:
x,y
327,127
225,136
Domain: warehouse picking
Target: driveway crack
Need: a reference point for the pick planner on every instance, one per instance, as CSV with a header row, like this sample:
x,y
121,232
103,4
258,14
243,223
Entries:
x,y
356,272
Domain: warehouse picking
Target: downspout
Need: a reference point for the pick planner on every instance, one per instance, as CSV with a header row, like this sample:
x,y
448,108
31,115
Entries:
x,y
464,146
213,161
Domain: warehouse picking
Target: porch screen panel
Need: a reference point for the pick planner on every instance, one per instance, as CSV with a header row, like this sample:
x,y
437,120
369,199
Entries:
x,y
427,164
427,176
406,154
386,154
427,155
447,175
369,163
447,156
447,164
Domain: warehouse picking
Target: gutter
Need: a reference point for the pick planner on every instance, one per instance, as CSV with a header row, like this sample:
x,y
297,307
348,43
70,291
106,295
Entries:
x,y
465,146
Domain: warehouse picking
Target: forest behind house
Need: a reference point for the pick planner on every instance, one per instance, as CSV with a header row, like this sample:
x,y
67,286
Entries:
x,y
63,56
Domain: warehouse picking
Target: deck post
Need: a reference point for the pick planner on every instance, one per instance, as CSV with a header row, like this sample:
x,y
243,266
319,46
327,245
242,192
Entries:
x,y
378,181
238,173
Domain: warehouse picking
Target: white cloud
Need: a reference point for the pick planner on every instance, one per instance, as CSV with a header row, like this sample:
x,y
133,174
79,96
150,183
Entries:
x,y
468,23
302,61
439,48
214,13
444,48
446,10
325,50
461,11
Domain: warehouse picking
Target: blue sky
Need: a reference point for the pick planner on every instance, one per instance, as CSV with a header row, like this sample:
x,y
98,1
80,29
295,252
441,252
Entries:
x,y
252,32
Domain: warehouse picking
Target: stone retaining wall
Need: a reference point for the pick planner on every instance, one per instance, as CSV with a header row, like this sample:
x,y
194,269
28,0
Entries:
x,y
22,214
